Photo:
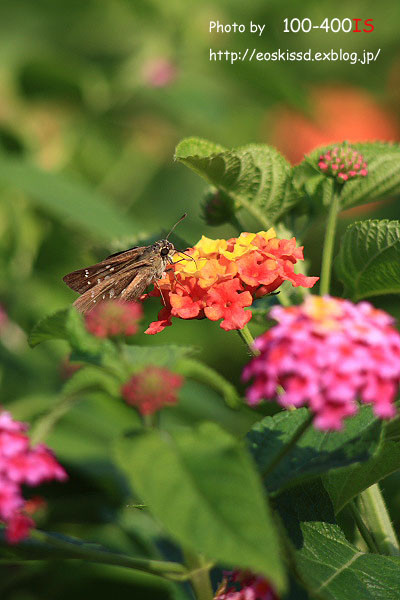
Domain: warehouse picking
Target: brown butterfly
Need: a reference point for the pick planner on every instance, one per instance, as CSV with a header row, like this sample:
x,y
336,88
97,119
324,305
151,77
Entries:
x,y
124,275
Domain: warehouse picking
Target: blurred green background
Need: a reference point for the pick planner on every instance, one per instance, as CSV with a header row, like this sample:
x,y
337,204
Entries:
x,y
94,97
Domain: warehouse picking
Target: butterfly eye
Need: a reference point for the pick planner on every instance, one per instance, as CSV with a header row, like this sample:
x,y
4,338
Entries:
x,y
164,251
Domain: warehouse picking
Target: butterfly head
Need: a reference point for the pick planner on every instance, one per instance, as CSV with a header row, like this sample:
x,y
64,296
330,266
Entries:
x,y
164,247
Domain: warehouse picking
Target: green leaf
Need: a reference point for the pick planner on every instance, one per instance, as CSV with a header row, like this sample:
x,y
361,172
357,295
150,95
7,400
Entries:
x,y
328,565
198,402
52,327
203,487
344,484
383,177
368,263
67,325
257,177
84,436
27,408
85,345
194,146
316,452
70,201
162,356
92,378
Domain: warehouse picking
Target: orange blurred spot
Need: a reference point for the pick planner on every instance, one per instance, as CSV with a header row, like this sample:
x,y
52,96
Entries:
x,y
339,113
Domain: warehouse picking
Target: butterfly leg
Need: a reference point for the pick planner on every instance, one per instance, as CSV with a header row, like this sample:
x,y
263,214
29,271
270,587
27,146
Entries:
x,y
176,280
161,293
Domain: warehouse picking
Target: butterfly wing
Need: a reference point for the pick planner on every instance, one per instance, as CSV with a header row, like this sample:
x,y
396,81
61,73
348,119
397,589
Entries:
x,y
129,285
83,280
123,275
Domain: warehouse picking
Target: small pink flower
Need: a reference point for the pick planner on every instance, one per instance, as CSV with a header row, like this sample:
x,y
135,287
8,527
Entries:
x,y
8,424
152,389
18,527
12,443
243,585
21,465
343,163
35,467
328,353
114,318
10,496
159,72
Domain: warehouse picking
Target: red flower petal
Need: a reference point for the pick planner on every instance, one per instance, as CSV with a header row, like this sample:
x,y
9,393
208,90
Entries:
x,y
225,301
164,320
184,306
297,279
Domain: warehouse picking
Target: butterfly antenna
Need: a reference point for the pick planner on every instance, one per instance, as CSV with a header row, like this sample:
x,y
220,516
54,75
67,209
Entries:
x,y
177,223
187,256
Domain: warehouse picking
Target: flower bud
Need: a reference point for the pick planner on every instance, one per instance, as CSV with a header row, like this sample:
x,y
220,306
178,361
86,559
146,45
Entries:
x,y
151,389
218,208
114,318
343,163
243,585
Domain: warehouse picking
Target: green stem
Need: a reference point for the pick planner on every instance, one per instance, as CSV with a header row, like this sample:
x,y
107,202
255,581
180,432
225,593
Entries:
x,y
44,425
149,421
120,344
362,528
327,252
283,297
248,340
199,575
76,549
288,447
375,514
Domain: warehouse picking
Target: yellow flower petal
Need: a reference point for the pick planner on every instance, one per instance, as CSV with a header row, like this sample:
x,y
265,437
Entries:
x,y
187,267
242,245
209,246
268,235
325,311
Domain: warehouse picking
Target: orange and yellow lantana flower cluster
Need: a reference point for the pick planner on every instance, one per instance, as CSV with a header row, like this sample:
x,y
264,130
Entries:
x,y
223,277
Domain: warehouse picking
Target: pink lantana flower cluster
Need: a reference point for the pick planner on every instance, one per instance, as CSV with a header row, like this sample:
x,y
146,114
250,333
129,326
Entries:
x,y
114,318
21,465
343,163
328,353
242,585
152,389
